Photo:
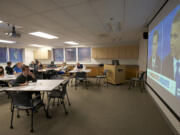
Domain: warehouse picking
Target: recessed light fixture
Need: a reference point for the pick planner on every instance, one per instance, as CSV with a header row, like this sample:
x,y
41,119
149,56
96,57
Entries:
x,y
7,41
40,46
43,35
71,43
1,21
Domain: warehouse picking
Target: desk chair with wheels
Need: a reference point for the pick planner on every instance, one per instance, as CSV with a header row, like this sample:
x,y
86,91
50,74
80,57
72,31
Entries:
x,y
100,77
140,80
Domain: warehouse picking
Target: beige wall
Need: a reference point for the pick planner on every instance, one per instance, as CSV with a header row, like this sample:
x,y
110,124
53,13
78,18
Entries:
x,y
142,54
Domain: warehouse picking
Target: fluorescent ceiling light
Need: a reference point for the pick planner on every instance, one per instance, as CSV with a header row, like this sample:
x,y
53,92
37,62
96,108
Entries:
x,y
71,43
7,41
41,46
43,35
1,21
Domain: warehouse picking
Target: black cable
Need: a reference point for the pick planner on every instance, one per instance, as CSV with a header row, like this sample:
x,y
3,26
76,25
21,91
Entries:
x,y
157,13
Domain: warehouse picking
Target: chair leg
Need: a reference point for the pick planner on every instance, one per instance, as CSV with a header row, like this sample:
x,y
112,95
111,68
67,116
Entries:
x,y
12,115
62,102
99,82
76,83
142,86
130,82
47,110
86,83
54,102
18,116
96,81
58,102
68,99
107,82
32,129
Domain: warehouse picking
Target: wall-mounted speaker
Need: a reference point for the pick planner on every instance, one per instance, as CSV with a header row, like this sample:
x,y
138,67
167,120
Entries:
x,y
145,35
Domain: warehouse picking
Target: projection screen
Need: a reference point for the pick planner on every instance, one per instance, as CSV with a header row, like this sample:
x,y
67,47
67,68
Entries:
x,y
163,70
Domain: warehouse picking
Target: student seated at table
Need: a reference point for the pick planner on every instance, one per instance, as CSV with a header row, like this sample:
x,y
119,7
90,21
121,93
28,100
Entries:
x,y
2,83
9,69
52,65
18,68
24,78
79,66
1,71
37,65
63,68
32,64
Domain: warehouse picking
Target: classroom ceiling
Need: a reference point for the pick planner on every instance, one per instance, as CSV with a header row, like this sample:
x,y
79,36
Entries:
x,y
88,22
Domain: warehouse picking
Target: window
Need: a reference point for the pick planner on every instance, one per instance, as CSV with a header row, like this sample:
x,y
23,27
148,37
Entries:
x,y
70,54
16,55
84,54
58,54
3,55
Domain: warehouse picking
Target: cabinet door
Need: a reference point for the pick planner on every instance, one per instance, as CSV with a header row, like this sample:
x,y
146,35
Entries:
x,y
132,52
41,54
121,52
94,52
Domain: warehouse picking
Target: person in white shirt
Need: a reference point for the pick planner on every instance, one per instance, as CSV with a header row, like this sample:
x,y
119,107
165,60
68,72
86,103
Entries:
x,y
63,68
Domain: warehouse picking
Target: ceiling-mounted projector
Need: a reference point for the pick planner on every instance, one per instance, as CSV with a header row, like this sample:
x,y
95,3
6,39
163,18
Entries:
x,y
13,33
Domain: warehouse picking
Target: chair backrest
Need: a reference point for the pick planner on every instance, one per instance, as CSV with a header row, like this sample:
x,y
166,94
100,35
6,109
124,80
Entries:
x,y
56,77
105,72
81,75
142,76
21,99
11,83
64,86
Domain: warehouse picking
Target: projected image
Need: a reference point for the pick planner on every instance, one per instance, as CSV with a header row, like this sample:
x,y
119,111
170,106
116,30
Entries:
x,y
154,61
163,72
175,51
164,53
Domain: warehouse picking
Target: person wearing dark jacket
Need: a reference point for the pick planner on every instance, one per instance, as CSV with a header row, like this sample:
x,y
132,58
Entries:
x,y
24,78
9,69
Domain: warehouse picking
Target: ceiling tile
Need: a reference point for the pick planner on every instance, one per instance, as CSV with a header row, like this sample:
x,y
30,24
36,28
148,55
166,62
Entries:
x,y
12,8
62,18
38,5
107,9
65,3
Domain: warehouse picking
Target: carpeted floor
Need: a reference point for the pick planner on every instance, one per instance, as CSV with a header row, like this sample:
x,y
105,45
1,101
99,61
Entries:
x,y
95,111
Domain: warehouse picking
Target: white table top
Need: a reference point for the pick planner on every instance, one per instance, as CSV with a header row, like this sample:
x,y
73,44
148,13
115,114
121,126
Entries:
x,y
80,70
8,77
47,69
40,85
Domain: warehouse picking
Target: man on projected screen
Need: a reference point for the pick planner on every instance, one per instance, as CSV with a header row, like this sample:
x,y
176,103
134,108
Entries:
x,y
154,62
171,66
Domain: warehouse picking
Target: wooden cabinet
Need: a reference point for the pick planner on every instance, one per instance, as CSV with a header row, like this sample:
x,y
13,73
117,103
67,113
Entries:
x,y
131,71
42,54
121,52
131,52
95,71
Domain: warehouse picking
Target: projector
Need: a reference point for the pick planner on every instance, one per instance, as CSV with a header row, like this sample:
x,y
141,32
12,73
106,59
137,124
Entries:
x,y
13,33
